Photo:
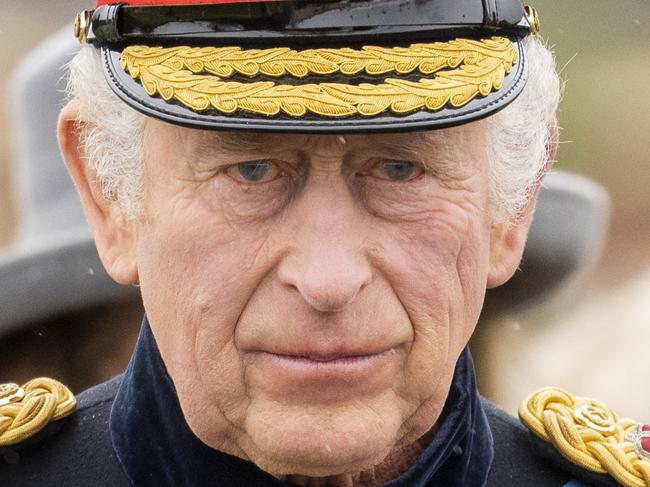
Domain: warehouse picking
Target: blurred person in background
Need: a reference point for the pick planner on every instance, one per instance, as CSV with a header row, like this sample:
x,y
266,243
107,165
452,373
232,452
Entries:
x,y
61,312
591,336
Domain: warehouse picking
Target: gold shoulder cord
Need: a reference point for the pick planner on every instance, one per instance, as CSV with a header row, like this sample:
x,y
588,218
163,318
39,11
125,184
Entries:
x,y
26,410
196,77
590,435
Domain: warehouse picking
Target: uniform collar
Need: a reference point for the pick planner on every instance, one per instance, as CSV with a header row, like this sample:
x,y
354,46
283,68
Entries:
x,y
156,447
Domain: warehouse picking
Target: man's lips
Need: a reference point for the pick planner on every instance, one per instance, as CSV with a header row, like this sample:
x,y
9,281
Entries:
x,y
331,354
324,363
341,358
322,375
328,358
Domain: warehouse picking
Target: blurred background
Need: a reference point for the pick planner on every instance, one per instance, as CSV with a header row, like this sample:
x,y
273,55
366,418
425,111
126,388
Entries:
x,y
591,339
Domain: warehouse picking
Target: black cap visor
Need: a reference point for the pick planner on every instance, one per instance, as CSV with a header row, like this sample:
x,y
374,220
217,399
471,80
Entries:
x,y
338,25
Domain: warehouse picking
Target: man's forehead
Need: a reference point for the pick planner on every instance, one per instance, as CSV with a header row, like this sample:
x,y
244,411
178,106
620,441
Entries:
x,y
246,141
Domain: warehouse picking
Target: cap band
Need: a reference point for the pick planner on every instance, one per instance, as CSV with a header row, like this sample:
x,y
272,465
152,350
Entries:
x,y
101,3
290,22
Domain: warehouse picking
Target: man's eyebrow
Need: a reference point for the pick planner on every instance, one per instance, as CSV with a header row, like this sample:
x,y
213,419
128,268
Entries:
x,y
236,141
431,149
233,142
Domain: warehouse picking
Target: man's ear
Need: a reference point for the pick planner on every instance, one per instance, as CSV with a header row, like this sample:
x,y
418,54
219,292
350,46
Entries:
x,y
507,243
508,240
114,234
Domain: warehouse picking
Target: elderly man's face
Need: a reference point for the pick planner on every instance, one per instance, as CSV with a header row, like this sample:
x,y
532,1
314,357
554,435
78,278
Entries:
x,y
310,295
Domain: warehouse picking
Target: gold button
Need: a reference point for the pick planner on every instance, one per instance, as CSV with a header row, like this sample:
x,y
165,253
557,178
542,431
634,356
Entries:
x,y
82,25
595,417
533,19
10,393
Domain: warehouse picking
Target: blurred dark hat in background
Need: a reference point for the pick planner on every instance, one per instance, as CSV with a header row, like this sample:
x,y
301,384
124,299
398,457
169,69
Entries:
x,y
52,267
565,242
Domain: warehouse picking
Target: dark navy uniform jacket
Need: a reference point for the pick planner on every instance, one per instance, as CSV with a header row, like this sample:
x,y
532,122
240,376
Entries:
x,y
131,431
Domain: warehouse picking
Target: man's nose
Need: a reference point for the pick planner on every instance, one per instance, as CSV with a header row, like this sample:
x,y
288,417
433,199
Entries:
x,y
327,264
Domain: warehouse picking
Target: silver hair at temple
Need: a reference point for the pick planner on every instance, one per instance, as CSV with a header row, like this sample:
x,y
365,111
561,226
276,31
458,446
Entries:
x,y
112,132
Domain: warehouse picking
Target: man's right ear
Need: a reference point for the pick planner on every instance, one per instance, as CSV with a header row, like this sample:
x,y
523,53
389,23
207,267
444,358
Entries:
x,y
114,234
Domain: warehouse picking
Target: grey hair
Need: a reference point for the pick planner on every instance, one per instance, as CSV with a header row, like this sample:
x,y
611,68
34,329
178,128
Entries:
x,y
111,134
522,134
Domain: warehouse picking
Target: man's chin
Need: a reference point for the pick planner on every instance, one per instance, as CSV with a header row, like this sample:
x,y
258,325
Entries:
x,y
318,462
320,443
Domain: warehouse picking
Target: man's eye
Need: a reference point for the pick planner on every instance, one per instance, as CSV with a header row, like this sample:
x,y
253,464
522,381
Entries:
x,y
397,171
254,172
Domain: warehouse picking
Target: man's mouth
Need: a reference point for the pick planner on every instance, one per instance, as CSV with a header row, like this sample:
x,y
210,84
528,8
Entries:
x,y
330,359
327,374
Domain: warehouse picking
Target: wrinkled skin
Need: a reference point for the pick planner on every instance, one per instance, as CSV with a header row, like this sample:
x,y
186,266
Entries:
x,y
310,308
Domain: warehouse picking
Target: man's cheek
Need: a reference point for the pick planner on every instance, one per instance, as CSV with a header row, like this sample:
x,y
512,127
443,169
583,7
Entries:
x,y
422,388
446,246
222,372
426,252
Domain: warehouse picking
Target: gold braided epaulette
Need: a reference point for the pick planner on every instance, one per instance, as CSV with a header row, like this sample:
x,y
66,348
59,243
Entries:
x,y
590,435
26,410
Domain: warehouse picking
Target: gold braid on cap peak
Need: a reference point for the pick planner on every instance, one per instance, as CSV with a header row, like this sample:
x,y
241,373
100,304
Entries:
x,y
26,410
590,435
194,77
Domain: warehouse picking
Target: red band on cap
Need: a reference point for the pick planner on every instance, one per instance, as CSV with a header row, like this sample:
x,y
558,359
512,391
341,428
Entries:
x,y
173,2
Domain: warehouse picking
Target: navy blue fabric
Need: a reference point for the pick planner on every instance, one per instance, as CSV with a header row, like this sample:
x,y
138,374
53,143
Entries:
x,y
156,447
